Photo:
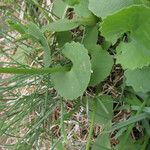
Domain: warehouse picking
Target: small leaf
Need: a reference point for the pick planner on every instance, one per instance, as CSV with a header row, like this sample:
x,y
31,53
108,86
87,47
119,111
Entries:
x,y
102,64
72,84
139,79
136,21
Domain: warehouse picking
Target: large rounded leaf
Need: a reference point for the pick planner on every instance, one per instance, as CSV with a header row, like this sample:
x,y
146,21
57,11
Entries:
x,y
102,64
134,20
104,8
139,79
72,84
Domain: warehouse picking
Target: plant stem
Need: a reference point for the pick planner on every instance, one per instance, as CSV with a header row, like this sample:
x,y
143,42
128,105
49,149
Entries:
x,y
62,125
91,125
14,70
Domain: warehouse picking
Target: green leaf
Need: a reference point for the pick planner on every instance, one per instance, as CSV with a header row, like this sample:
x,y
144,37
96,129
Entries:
x,y
102,64
17,26
139,79
102,142
135,20
36,34
60,146
66,24
103,118
82,9
71,2
131,120
104,111
63,38
132,144
90,37
59,8
22,53
61,25
104,8
72,84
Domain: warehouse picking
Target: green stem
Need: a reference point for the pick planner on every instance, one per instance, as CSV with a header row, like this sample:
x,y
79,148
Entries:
x,y
91,125
14,70
62,125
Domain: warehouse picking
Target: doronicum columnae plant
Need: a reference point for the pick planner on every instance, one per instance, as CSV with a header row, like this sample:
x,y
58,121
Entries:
x,y
91,53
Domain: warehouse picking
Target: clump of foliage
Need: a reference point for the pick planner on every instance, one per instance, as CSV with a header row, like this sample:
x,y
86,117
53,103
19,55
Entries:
x,y
91,53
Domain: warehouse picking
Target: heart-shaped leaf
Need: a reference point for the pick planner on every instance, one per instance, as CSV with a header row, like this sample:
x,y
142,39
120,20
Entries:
x,y
72,84
135,20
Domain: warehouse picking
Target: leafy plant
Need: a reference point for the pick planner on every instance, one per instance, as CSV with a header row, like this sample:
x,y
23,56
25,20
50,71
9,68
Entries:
x,y
92,53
